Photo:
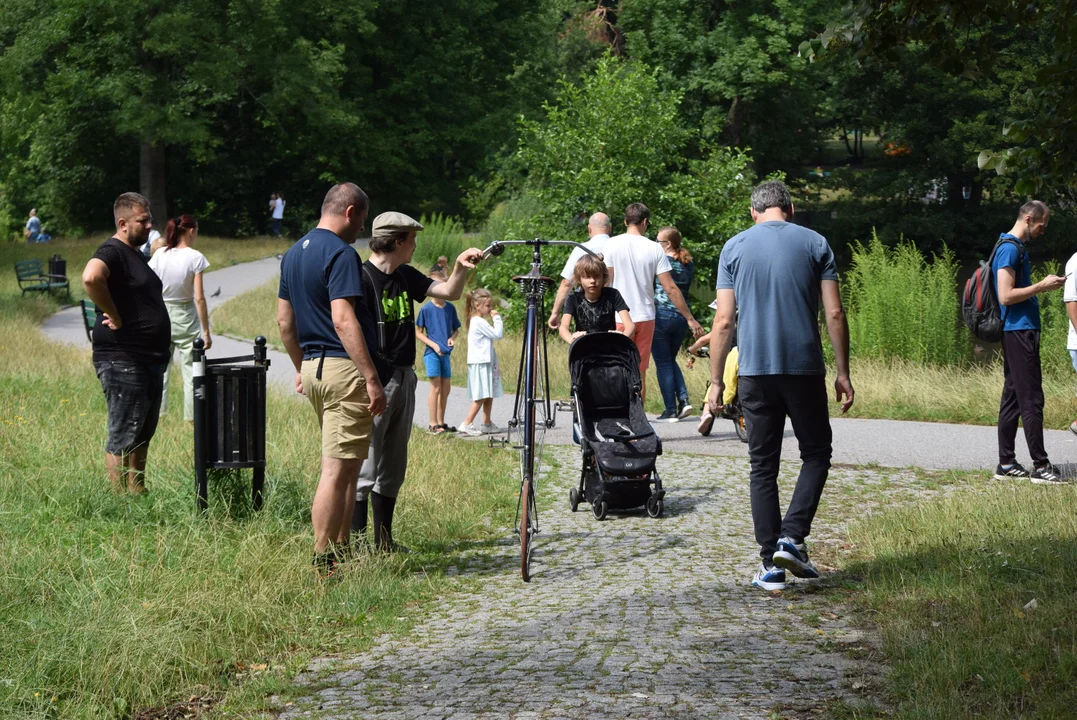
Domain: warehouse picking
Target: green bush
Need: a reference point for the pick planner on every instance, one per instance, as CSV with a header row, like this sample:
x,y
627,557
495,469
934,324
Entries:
x,y
902,307
1054,327
611,139
443,235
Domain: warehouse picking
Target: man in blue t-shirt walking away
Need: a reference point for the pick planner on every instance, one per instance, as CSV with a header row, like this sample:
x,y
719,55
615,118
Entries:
x,y
1022,386
773,274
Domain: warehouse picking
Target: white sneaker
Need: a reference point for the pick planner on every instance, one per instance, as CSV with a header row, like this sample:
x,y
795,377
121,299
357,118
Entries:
x,y
468,429
490,429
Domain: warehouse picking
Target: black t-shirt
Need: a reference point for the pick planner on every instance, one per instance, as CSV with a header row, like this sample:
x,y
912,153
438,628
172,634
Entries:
x,y
136,293
598,316
396,293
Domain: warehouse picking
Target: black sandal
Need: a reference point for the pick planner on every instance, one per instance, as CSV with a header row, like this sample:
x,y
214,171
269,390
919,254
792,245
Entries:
x,y
447,428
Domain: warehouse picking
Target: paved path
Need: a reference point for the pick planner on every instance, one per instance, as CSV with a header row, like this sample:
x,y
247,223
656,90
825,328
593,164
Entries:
x,y
889,443
627,618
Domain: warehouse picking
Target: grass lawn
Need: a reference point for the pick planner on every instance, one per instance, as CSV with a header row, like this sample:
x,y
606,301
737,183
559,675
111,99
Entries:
x,y
110,605
894,390
974,596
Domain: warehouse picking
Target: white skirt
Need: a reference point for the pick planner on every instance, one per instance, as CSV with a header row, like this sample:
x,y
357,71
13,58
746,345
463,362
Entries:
x,y
483,380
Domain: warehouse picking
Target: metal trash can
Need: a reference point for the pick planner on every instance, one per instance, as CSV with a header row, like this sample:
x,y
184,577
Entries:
x,y
230,417
57,266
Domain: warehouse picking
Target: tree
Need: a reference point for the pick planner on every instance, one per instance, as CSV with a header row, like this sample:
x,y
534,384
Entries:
x,y
224,101
143,79
736,65
1038,146
617,138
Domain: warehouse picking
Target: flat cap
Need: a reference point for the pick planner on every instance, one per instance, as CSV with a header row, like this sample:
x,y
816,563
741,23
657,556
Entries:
x,y
392,222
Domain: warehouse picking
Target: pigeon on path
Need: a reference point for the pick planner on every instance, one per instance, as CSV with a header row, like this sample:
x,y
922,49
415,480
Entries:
x,y
216,293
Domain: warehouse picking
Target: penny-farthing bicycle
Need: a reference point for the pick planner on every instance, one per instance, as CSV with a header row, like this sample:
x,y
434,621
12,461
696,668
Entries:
x,y
533,412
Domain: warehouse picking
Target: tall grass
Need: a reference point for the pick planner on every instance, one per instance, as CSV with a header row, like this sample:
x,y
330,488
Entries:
x,y
443,235
895,389
110,605
902,307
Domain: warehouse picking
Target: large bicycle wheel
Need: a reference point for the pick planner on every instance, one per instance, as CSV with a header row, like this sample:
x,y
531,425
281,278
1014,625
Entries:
x,y
528,528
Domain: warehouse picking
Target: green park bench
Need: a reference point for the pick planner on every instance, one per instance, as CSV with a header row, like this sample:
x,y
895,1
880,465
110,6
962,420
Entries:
x,y
32,279
89,317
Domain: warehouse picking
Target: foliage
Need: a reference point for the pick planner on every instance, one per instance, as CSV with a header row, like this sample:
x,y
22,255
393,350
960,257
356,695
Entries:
x,y
736,65
442,235
248,97
900,306
1038,145
614,139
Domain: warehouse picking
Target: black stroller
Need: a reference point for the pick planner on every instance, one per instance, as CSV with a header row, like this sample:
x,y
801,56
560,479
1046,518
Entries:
x,y
618,444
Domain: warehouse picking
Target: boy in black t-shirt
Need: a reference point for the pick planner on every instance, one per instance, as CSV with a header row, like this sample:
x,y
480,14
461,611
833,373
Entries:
x,y
390,288
594,307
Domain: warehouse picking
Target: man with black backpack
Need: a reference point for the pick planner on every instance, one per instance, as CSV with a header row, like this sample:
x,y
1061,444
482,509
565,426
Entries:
x,y
1022,388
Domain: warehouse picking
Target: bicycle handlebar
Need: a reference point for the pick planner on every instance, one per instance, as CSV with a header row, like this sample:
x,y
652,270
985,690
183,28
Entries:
x,y
497,247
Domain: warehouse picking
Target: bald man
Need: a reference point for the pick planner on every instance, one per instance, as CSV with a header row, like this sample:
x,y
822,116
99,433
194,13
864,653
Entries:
x,y
598,230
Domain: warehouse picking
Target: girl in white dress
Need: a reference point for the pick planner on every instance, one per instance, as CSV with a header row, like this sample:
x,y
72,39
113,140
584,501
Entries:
x,y
483,373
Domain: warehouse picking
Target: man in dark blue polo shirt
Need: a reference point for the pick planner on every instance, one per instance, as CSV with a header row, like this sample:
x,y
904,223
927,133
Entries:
x,y
774,274
318,300
1022,386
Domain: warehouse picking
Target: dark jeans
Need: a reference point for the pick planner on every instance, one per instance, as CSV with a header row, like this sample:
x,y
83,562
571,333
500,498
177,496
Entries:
x,y
670,327
766,401
133,397
276,227
1022,396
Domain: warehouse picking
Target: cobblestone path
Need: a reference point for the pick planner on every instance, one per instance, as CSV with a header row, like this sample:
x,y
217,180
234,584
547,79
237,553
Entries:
x,y
630,617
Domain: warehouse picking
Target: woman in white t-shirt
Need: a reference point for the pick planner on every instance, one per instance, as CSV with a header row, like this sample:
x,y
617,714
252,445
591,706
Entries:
x,y
180,268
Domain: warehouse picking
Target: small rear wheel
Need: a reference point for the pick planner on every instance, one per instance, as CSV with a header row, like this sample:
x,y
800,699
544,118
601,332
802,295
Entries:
x,y
528,523
573,499
742,430
654,506
599,508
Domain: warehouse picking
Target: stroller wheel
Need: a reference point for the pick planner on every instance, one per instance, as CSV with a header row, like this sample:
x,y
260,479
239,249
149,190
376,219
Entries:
x,y
573,499
654,506
599,509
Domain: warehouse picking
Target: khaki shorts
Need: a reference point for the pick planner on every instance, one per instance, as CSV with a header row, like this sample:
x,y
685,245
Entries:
x,y
343,407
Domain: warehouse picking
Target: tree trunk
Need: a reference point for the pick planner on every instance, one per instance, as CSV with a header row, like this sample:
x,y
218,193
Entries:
x,y
734,122
151,174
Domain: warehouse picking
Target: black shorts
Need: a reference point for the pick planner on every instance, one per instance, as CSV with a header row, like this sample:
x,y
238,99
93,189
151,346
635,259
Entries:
x,y
133,396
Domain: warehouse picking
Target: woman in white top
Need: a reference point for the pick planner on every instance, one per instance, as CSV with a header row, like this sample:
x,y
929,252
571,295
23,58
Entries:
x,y
180,268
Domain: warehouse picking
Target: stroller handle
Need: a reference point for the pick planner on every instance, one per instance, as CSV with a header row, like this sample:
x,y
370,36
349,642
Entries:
x,y
630,438
497,247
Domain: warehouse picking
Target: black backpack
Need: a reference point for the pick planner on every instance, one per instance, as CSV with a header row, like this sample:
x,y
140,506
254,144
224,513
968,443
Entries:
x,y
979,304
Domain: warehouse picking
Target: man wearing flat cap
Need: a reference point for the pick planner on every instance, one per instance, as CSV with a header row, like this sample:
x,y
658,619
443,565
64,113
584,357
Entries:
x,y
390,286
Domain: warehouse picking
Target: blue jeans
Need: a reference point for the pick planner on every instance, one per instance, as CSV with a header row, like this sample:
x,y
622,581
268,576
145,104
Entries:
x,y
670,329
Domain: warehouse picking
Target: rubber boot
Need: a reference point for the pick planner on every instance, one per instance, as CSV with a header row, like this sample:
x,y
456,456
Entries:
x,y
383,508
359,516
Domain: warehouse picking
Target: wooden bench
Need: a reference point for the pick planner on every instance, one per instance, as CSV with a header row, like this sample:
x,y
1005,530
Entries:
x,y
89,317
32,279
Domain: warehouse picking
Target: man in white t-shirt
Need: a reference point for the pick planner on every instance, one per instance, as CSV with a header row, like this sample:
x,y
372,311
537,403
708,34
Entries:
x,y
598,230
278,214
635,262
1069,296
